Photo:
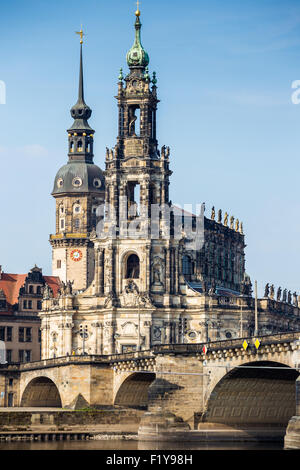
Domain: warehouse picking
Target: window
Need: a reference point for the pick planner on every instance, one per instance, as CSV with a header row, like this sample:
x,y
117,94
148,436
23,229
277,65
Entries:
x,y
9,333
58,264
133,194
133,267
31,290
77,224
21,355
27,356
30,304
39,305
39,335
9,355
77,182
21,335
38,290
2,333
187,266
97,182
62,224
10,382
25,304
10,398
28,335
134,122
128,348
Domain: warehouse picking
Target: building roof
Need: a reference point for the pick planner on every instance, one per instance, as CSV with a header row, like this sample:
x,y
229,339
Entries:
x,y
12,283
54,283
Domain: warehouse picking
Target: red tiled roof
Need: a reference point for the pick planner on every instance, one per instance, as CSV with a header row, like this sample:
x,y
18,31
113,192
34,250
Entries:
x,y
11,285
54,283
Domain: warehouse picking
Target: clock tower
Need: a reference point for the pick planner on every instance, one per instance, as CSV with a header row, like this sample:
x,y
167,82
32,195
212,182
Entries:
x,y
78,191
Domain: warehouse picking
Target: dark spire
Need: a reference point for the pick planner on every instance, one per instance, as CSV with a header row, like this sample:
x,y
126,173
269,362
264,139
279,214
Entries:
x,y
81,91
81,135
81,112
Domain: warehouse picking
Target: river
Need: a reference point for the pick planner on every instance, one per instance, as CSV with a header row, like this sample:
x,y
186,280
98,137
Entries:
x,y
136,445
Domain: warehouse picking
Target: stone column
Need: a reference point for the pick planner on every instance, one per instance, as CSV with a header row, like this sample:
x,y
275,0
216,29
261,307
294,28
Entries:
x,y
68,338
96,342
168,329
97,270
292,436
45,339
176,274
109,337
101,272
148,268
147,326
167,270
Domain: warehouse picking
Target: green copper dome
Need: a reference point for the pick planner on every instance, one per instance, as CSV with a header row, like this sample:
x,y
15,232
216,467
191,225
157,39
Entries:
x,y
137,56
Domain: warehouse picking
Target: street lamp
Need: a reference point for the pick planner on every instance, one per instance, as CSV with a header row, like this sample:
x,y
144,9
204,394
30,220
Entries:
x,y
84,335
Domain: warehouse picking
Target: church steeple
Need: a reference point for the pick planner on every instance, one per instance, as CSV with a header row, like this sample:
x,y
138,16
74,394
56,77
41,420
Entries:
x,y
137,57
135,168
81,134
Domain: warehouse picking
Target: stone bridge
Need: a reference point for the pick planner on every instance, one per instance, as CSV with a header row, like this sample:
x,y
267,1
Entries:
x,y
234,382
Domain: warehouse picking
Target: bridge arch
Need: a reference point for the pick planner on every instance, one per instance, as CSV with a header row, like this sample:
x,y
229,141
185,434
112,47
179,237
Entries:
x,y
133,391
41,392
255,393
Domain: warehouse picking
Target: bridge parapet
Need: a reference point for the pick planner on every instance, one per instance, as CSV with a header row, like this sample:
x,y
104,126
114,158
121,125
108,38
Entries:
x,y
281,340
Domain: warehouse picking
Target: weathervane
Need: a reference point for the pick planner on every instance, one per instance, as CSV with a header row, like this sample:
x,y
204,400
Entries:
x,y
81,34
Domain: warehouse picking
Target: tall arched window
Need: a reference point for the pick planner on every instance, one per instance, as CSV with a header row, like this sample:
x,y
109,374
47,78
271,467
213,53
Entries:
x,y
133,267
187,266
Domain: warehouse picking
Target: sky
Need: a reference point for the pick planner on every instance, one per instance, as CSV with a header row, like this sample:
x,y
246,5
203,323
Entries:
x,y
225,72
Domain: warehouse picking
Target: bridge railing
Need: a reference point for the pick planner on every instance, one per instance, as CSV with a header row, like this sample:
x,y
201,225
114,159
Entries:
x,y
226,344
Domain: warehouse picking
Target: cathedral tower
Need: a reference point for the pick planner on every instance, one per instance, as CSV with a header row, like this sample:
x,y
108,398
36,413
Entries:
x,y
135,169
78,190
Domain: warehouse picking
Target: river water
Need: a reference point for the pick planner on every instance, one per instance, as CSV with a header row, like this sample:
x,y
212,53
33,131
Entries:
x,y
136,445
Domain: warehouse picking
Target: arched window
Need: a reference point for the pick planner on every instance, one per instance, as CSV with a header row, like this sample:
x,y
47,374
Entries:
x,y
187,266
76,224
133,267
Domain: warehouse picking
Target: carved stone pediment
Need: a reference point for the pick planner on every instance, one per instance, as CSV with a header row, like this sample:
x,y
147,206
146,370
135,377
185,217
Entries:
x,y
129,329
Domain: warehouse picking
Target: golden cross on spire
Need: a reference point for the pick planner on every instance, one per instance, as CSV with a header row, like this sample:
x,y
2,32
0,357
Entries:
x,y
137,13
81,34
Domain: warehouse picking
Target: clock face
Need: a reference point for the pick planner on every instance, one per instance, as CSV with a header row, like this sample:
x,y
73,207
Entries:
x,y
76,255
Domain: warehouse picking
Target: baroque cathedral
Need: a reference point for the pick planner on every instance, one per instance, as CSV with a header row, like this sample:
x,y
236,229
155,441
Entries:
x,y
124,288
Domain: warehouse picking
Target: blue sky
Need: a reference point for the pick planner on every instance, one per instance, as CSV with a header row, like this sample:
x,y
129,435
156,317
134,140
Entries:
x,y
224,72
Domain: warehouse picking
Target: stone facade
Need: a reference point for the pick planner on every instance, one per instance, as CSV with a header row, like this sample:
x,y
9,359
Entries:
x,y
125,287
21,297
